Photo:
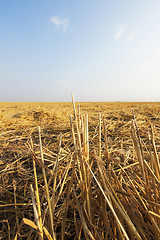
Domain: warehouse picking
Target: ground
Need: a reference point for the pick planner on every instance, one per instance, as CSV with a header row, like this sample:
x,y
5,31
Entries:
x,y
19,131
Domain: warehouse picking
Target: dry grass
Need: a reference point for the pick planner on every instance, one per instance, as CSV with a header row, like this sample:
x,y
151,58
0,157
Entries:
x,y
94,174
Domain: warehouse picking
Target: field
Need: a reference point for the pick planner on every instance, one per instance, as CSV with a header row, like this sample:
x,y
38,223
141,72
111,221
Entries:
x,y
79,171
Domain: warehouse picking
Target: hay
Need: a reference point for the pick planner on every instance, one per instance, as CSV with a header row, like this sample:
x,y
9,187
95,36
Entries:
x,y
94,175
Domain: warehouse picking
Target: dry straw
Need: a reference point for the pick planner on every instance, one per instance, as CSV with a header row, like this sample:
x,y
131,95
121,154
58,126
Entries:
x,y
87,188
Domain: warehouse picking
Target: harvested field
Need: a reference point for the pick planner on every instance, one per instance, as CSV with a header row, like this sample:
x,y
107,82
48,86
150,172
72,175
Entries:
x,y
92,175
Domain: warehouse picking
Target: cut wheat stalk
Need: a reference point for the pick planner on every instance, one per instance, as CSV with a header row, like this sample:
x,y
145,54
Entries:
x,y
15,203
99,137
109,204
75,148
87,232
53,202
106,141
64,217
138,151
156,228
37,197
36,215
117,202
155,154
46,187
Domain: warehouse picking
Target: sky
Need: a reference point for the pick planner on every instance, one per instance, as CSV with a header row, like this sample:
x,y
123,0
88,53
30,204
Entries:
x,y
99,50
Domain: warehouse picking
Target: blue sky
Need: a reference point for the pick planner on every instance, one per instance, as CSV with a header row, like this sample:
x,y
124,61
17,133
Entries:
x,y
106,50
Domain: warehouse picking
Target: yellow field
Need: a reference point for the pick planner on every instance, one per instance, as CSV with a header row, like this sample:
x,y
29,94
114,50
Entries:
x,y
103,185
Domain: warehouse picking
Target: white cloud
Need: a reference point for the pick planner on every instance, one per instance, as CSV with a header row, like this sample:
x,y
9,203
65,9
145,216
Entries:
x,y
120,32
131,36
113,49
60,22
150,17
62,83
147,64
